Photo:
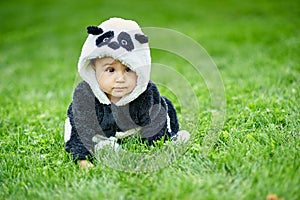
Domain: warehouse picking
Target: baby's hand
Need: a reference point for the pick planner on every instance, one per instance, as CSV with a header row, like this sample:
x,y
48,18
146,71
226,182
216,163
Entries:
x,y
85,164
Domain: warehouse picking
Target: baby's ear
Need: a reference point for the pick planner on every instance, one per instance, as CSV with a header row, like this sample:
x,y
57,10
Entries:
x,y
94,30
92,62
141,38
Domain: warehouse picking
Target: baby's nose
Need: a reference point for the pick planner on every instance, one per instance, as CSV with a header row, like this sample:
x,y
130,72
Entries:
x,y
121,77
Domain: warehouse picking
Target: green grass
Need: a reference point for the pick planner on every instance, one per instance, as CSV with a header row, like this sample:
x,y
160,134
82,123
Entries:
x,y
256,48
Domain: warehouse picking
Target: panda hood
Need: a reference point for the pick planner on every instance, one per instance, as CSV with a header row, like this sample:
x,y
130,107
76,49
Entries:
x,y
124,41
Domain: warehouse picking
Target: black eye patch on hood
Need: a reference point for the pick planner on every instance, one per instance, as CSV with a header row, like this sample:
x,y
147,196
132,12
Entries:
x,y
125,41
104,39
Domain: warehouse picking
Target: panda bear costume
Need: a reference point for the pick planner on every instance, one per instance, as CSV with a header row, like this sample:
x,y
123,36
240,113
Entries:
x,y
93,121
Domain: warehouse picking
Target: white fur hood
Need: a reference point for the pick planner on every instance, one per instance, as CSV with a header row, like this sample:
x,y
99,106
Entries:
x,y
122,40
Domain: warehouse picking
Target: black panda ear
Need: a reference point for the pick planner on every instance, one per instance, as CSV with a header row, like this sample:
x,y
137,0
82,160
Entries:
x,y
94,30
141,38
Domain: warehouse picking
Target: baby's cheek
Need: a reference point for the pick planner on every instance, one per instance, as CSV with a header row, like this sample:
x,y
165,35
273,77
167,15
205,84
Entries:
x,y
134,78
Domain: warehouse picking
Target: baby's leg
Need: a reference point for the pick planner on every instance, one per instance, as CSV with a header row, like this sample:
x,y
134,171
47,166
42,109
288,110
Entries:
x,y
173,125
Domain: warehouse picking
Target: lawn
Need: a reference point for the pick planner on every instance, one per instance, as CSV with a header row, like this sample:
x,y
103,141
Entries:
x,y
255,46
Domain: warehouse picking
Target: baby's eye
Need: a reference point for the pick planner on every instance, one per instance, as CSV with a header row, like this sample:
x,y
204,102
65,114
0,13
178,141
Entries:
x,y
128,69
110,69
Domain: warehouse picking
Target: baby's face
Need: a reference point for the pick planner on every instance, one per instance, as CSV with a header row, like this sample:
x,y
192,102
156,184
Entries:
x,y
114,78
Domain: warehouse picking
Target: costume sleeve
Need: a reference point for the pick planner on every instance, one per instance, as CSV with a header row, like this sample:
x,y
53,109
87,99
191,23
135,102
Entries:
x,y
74,144
151,112
84,123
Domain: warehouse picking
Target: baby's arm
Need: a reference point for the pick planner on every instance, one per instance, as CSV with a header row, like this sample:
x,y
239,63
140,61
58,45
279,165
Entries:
x,y
156,115
173,125
83,126
73,143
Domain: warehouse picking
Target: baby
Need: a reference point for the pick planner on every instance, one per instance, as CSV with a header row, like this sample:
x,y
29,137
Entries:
x,y
117,98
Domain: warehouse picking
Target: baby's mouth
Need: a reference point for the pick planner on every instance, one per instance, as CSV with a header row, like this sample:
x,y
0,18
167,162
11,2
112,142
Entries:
x,y
119,88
